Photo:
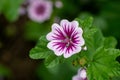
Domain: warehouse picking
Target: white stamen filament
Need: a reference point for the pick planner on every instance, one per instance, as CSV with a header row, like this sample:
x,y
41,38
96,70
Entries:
x,y
67,41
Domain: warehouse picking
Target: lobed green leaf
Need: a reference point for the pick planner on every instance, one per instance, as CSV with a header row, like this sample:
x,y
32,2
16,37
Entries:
x,y
103,64
40,51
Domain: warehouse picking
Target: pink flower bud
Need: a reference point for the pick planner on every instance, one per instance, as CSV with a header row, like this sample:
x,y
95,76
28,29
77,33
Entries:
x,y
82,75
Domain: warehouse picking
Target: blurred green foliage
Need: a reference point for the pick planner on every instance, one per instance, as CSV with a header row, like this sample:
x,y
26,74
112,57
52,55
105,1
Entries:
x,y
10,8
33,30
4,71
59,72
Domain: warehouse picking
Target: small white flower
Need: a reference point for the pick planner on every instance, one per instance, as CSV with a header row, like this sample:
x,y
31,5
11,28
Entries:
x,y
39,10
65,38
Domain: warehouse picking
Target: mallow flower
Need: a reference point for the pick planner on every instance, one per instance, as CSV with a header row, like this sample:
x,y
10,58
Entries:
x,y
39,10
81,75
65,39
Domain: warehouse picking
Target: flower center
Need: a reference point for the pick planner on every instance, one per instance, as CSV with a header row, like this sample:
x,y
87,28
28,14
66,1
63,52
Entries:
x,y
40,9
67,41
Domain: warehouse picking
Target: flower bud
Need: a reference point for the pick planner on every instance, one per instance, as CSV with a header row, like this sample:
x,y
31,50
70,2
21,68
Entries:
x,y
82,75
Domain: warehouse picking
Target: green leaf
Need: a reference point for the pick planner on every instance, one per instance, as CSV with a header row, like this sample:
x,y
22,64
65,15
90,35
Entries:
x,y
98,39
42,42
103,64
2,3
11,9
116,78
110,42
85,22
51,61
93,42
89,32
40,51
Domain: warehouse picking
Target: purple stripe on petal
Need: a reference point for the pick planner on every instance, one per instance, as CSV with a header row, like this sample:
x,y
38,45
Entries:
x,y
58,34
68,29
71,47
60,46
75,37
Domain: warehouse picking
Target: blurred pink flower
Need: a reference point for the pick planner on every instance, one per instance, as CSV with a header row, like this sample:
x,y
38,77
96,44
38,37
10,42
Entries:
x,y
58,4
82,75
65,38
39,10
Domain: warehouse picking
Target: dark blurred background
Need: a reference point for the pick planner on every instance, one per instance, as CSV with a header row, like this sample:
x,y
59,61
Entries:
x,y
18,33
